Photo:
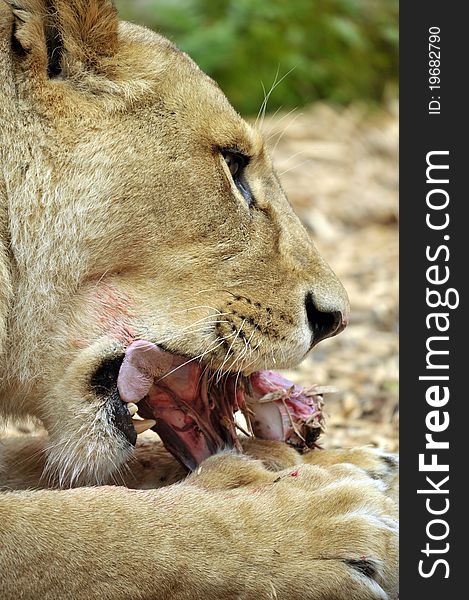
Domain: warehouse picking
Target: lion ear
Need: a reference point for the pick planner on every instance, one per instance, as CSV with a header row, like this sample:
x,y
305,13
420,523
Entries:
x,y
57,36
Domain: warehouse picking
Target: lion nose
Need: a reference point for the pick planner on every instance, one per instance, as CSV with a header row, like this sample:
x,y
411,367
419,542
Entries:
x,y
324,323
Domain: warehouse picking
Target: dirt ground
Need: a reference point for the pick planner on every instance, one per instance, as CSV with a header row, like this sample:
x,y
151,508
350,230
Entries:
x,y
339,168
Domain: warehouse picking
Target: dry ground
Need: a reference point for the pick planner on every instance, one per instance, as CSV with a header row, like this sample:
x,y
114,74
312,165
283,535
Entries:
x,y
339,168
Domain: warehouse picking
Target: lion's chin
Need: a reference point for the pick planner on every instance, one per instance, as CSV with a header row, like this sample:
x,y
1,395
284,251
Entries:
x,y
192,408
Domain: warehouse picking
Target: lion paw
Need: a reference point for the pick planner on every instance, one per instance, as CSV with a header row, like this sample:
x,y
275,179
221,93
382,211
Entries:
x,y
332,526
378,465
351,524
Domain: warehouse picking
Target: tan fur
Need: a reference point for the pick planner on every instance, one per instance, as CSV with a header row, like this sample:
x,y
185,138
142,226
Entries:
x,y
279,526
118,221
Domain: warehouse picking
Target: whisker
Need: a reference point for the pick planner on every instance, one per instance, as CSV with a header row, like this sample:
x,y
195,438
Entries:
x,y
285,116
189,361
189,328
267,97
284,132
195,308
295,167
271,130
295,155
263,101
232,343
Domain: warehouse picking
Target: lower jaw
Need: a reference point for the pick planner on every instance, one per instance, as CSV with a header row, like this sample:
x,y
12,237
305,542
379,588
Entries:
x,y
192,409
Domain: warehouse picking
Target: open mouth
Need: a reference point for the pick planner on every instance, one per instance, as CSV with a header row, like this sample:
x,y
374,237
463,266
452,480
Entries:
x,y
192,407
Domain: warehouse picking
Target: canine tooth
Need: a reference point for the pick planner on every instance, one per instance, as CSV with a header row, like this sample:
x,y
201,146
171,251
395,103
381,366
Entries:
x,y
132,408
143,425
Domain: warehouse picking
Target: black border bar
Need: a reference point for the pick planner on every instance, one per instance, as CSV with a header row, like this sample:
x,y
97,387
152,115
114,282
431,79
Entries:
x,y
433,522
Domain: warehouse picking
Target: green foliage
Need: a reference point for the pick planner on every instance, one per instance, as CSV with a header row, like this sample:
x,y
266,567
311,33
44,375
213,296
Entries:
x,y
339,50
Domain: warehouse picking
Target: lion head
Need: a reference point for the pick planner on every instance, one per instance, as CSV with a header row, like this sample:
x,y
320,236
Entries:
x,y
135,204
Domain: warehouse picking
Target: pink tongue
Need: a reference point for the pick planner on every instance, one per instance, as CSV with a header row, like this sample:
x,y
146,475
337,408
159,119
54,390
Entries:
x,y
194,411
194,416
143,362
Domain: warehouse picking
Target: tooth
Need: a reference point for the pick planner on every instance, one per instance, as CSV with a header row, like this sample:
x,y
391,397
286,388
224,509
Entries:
x,y
143,425
132,408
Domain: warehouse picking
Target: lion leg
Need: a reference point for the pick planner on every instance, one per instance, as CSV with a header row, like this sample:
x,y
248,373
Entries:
x,y
313,533
23,460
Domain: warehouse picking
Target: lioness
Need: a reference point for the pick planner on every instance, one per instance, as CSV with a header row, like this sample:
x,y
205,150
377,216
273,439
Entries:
x,y
136,204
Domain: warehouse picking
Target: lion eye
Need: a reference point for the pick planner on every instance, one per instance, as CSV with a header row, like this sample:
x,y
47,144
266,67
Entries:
x,y
235,162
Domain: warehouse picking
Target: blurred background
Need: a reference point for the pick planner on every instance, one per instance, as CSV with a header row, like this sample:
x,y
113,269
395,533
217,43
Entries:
x,y
329,69
335,50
